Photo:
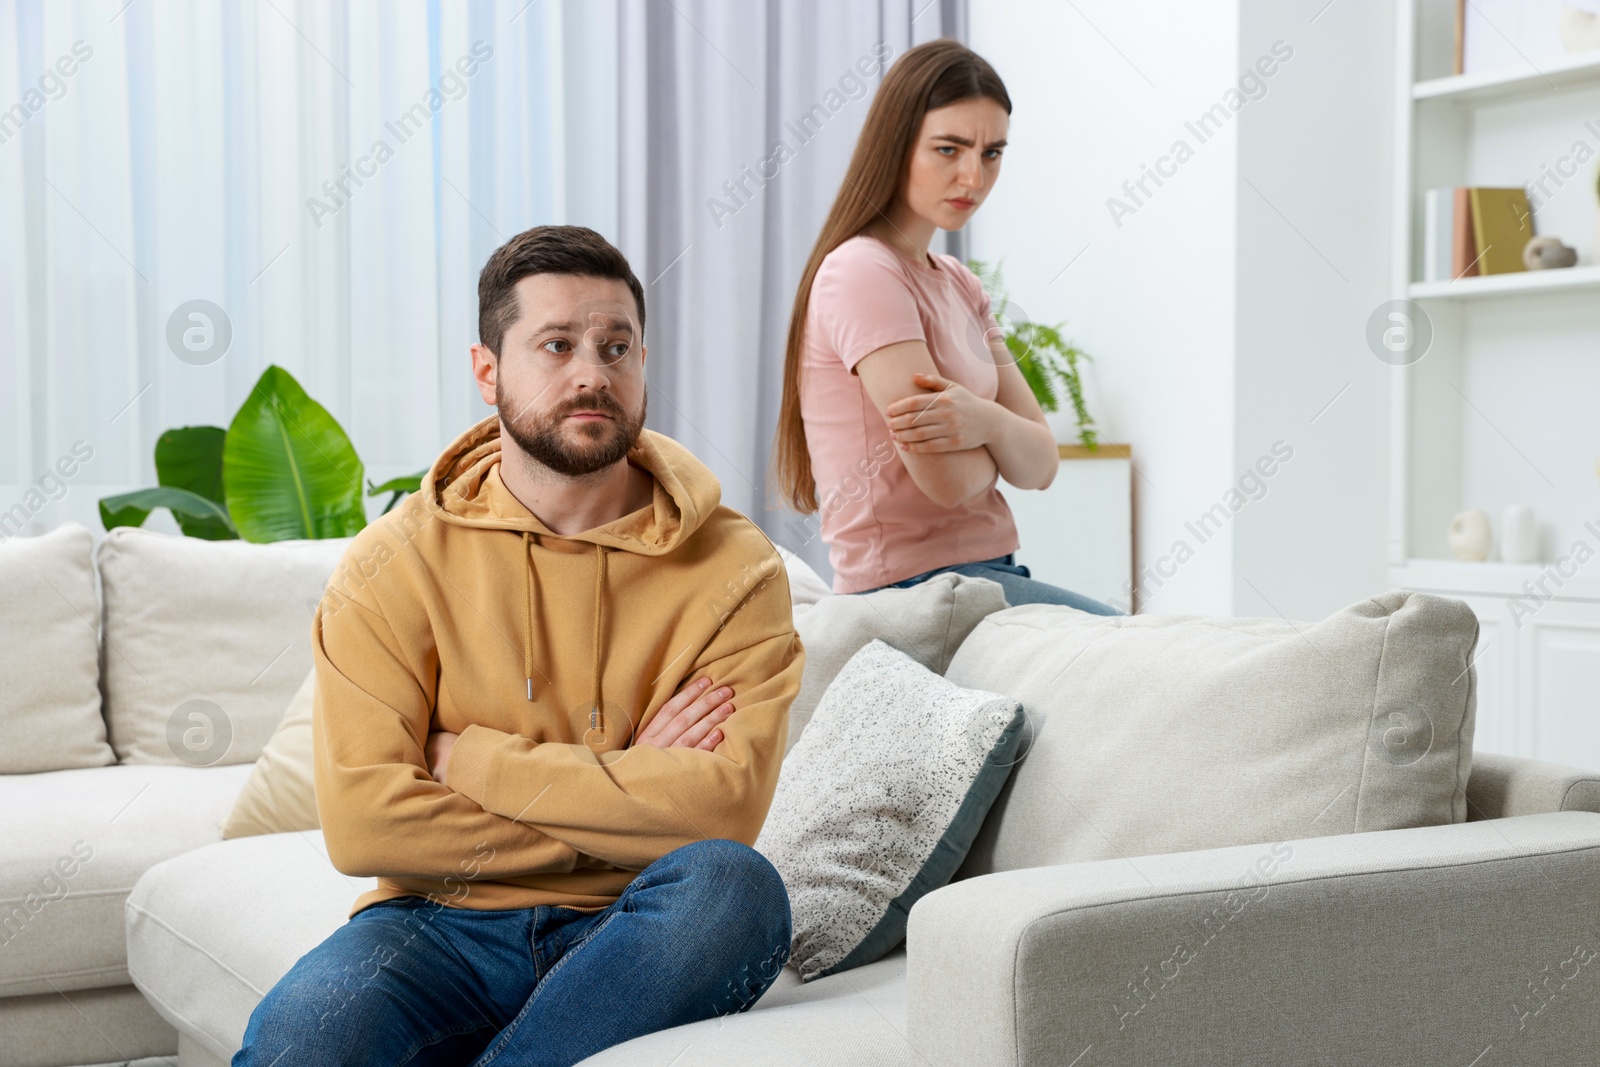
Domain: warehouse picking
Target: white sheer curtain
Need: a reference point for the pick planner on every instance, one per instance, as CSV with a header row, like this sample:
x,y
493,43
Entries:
x,y
230,152
288,162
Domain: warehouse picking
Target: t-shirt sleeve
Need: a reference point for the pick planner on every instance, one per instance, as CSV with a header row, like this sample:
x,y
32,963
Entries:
x,y
860,303
980,298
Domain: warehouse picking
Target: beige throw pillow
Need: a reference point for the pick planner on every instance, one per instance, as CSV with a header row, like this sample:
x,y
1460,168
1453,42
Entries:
x,y
1167,733
927,621
280,796
205,641
50,654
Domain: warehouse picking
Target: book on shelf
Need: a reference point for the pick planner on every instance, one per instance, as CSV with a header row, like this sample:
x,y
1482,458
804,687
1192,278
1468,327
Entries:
x,y
1502,223
1473,230
1448,250
1463,247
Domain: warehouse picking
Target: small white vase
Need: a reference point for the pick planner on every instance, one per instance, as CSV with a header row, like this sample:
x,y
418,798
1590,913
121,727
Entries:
x,y
1519,535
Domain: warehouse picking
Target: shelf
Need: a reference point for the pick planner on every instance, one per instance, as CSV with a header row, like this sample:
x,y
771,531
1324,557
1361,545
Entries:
x,y
1105,451
1523,281
1570,72
1495,578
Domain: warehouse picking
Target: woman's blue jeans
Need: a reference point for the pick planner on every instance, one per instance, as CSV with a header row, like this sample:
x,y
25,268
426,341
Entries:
x,y
1020,585
701,932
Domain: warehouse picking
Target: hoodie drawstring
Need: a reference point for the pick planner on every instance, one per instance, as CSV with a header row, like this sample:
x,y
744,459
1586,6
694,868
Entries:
x,y
595,718
599,593
527,627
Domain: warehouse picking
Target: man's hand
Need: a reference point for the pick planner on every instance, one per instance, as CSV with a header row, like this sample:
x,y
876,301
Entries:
x,y
689,719
437,752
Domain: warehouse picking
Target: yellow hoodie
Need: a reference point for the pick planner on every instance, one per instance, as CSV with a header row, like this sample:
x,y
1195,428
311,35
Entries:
x,y
548,653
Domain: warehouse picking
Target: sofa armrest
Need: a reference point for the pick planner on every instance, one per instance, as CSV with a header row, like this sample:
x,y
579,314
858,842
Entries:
x,y
1505,786
1421,946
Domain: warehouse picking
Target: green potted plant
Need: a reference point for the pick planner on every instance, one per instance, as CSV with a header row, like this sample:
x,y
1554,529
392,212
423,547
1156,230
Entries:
x,y
284,468
1044,357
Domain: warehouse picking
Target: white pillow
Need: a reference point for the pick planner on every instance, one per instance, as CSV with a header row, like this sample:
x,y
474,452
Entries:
x,y
206,641
50,654
879,802
927,621
281,794
1170,733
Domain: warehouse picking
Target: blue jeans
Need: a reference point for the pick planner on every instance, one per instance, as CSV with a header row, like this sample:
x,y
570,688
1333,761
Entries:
x,y
1020,585
701,932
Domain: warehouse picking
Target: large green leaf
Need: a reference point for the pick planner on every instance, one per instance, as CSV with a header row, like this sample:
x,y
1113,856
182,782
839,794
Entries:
x,y
191,458
131,509
289,470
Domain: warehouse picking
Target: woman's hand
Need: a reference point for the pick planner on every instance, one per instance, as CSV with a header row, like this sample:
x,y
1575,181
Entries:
x,y
690,718
949,419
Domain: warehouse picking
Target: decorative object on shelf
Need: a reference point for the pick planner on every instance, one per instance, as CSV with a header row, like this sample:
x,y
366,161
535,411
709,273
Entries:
x,y
1548,253
1519,534
1041,354
1502,223
1512,34
1469,535
1579,27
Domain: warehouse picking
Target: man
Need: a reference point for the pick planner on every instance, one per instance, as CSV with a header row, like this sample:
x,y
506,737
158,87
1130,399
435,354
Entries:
x,y
552,694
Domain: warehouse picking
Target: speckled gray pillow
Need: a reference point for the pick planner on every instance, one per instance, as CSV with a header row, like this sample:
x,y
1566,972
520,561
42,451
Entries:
x,y
879,801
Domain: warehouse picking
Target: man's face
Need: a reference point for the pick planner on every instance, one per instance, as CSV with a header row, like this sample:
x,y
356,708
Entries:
x,y
569,381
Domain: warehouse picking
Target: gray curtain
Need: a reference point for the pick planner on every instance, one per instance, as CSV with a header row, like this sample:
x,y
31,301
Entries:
x,y
718,220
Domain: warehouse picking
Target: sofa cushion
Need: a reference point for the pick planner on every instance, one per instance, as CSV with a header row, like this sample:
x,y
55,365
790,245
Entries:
x,y
75,843
205,959
858,1018
279,795
50,654
879,802
1166,733
927,621
206,641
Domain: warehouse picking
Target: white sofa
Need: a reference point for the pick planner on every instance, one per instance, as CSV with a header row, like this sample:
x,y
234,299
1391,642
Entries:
x,y
1429,945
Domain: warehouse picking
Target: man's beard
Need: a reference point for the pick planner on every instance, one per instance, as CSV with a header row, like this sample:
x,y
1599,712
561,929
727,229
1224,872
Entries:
x,y
543,437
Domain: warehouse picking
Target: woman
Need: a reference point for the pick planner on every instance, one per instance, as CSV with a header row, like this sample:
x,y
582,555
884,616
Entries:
x,y
900,398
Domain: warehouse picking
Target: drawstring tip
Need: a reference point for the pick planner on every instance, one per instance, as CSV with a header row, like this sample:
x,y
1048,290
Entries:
x,y
530,688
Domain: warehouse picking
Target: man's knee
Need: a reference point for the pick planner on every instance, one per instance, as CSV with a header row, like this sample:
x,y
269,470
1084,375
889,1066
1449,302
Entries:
x,y
732,873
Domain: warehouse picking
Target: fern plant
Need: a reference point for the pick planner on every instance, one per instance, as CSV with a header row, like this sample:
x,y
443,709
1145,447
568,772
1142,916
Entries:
x,y
1044,357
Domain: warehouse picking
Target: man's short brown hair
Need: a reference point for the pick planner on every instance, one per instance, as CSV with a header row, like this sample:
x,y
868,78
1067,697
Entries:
x,y
544,250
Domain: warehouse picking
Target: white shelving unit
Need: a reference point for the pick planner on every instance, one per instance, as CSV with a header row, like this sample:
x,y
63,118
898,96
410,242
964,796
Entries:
x,y
1494,413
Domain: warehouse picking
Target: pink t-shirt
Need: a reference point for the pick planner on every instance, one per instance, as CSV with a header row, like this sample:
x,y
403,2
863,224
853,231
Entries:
x,y
879,525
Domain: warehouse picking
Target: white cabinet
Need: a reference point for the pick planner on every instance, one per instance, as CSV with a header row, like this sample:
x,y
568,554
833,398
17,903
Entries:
x,y
1537,659
1078,534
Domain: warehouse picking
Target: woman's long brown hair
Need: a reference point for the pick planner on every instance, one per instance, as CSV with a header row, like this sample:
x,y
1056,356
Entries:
x,y
929,76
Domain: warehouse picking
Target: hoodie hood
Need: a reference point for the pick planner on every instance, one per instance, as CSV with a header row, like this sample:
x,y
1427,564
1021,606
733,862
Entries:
x,y
464,487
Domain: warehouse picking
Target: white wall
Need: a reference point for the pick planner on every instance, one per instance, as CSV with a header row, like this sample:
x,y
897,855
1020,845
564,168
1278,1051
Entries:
x,y
1216,311
1095,97
1313,258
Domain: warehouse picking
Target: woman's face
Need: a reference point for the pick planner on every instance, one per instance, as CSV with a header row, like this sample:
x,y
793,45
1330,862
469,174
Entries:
x,y
955,161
